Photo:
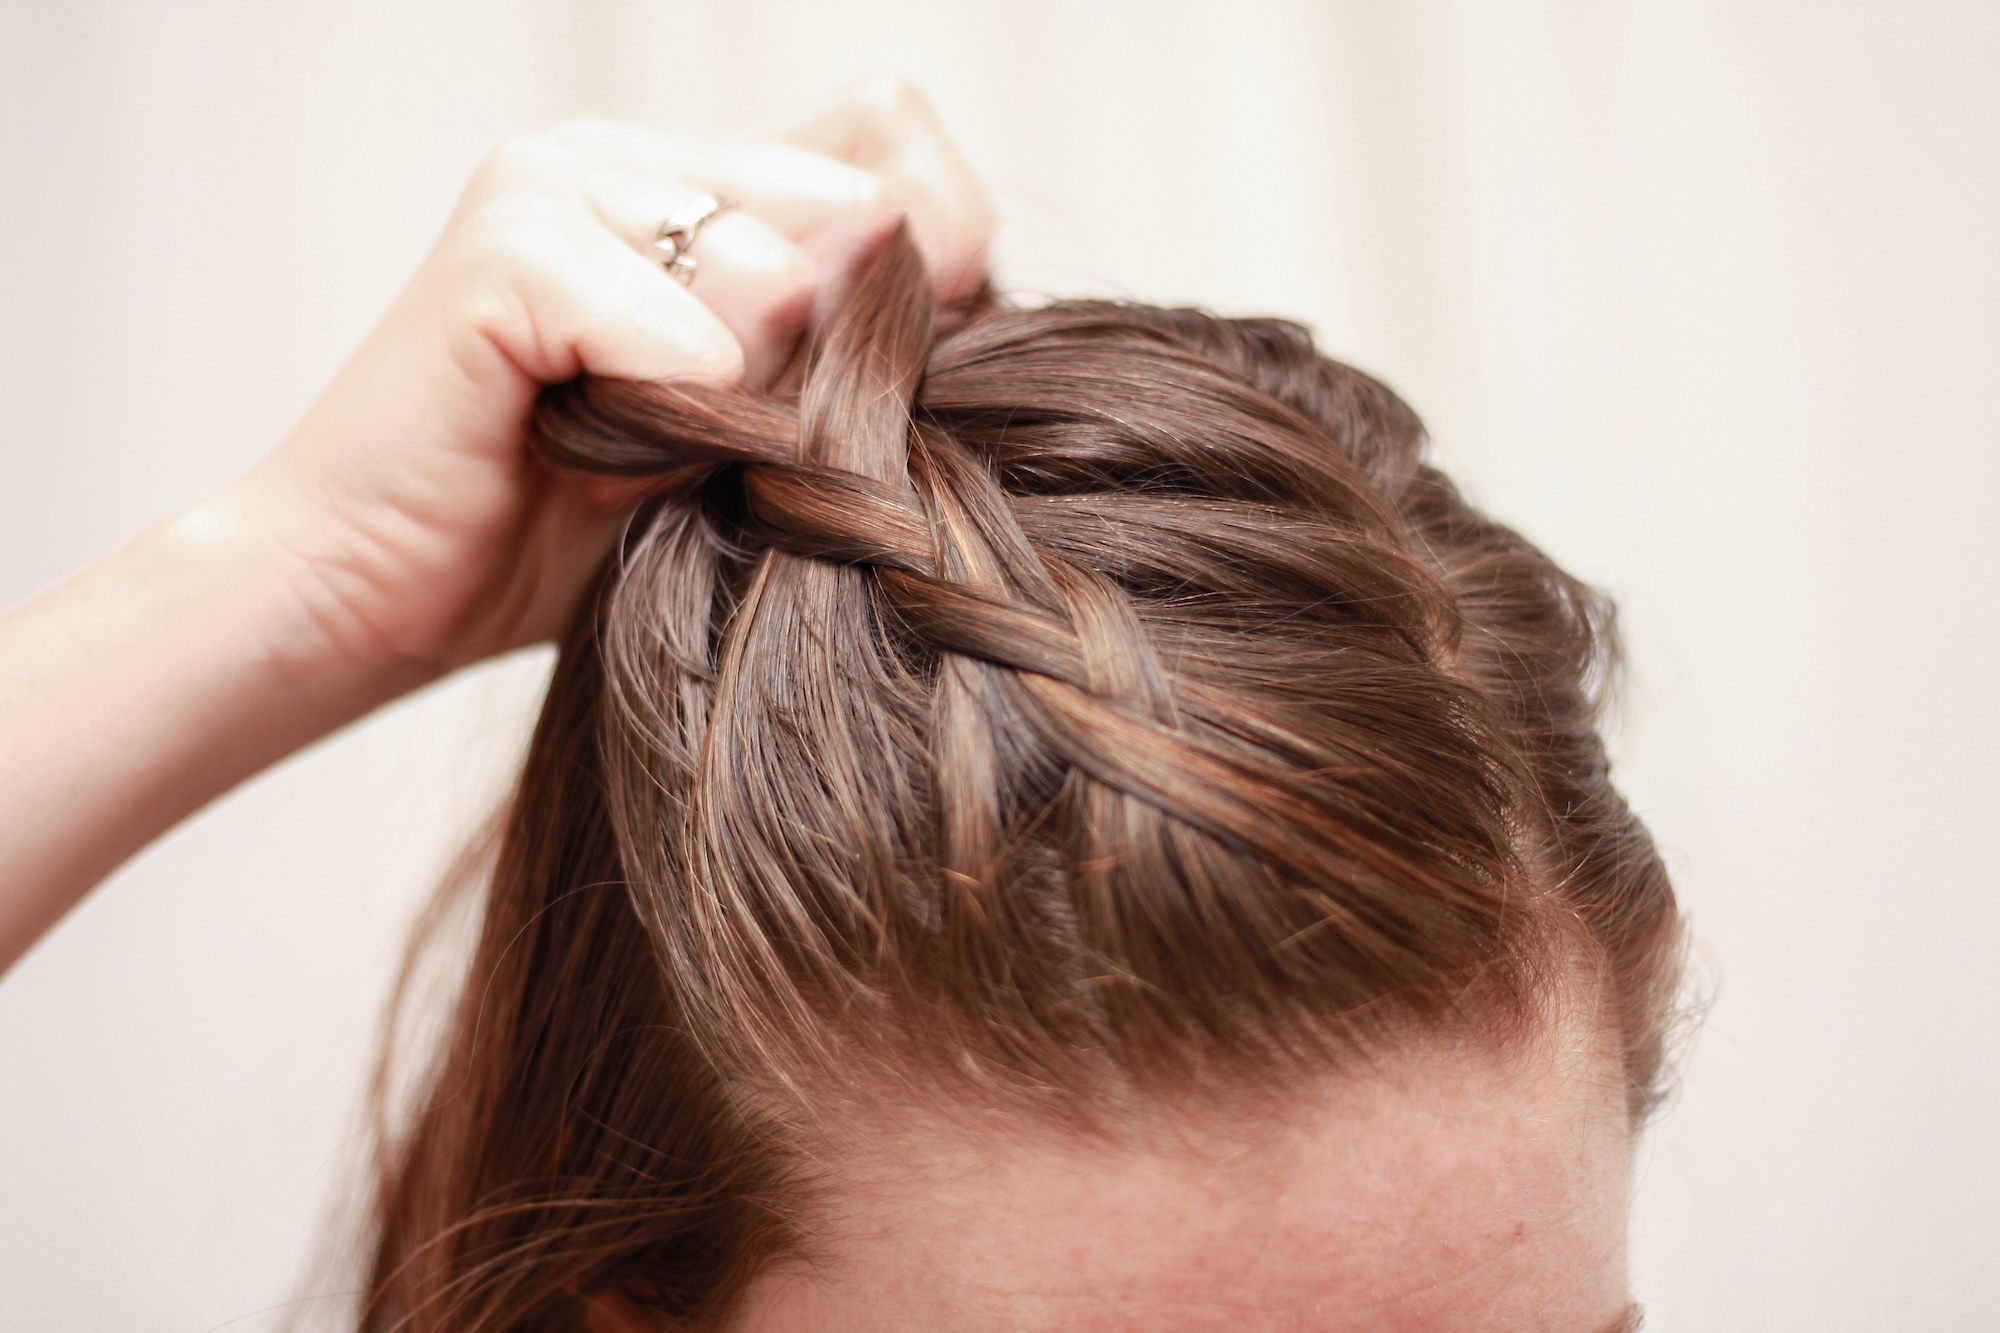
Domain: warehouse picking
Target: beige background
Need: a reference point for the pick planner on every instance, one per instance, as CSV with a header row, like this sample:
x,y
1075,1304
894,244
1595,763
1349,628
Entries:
x,y
1702,294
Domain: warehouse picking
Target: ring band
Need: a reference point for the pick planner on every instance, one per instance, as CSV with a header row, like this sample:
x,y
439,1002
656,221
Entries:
x,y
677,233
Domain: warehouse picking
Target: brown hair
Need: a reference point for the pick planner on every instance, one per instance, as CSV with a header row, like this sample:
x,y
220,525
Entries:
x,y
1056,703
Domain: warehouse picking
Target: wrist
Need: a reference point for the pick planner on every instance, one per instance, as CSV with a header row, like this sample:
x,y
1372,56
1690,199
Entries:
x,y
145,686
259,584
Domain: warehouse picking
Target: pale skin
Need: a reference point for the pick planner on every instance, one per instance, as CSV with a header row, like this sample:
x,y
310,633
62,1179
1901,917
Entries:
x,y
401,531
1452,1187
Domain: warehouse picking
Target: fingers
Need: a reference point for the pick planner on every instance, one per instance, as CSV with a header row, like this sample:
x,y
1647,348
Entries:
x,y
759,284
530,264
834,212
617,313
746,272
564,222
793,189
889,129
834,176
570,282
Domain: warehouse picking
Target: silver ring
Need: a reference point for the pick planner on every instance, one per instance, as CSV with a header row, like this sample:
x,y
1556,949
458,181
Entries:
x,y
677,233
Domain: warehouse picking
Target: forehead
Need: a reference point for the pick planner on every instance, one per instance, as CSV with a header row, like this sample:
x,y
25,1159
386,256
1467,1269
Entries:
x,y
1452,1191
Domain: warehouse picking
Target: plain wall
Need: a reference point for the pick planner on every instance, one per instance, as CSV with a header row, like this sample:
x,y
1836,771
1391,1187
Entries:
x,y
1702,295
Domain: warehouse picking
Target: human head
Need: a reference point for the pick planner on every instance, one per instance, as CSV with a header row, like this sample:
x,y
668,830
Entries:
x,y
1086,738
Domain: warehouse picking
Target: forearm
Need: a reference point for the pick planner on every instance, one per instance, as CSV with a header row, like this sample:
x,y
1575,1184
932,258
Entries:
x,y
147,685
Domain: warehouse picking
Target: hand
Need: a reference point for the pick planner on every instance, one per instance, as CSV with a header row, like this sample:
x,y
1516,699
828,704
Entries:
x,y
413,528
403,529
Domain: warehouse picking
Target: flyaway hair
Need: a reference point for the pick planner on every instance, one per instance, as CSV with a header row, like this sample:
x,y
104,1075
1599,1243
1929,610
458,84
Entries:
x,y
1049,706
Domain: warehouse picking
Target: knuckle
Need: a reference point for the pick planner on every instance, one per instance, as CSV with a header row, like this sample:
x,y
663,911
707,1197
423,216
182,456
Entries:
x,y
794,276
516,239
528,157
582,127
587,134
761,263
870,196
785,291
525,194
514,222
521,165
716,358
892,100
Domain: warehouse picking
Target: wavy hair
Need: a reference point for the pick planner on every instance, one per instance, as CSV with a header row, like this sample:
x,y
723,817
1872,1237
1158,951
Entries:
x,y
1057,706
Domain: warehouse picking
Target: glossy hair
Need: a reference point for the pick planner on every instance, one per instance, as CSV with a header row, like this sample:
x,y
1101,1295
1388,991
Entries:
x,y
1058,707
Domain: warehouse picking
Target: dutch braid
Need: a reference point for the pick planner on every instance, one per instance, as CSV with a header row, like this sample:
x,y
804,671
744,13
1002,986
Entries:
x,y
1168,572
